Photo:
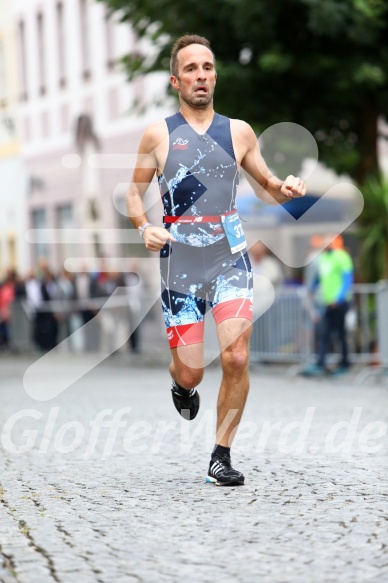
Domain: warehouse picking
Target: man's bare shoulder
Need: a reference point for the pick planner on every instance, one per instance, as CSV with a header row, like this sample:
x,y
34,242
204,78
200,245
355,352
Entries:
x,y
154,135
242,130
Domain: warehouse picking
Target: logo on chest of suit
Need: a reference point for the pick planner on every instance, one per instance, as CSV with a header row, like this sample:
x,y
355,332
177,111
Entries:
x,y
180,144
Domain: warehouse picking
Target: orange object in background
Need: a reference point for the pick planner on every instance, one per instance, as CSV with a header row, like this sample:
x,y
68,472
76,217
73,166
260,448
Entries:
x,y
338,243
316,241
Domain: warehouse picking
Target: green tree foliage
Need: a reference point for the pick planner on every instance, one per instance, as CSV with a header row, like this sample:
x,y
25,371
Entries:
x,y
373,231
319,63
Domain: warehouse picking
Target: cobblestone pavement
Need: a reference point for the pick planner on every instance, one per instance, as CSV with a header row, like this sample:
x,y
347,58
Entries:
x,y
134,506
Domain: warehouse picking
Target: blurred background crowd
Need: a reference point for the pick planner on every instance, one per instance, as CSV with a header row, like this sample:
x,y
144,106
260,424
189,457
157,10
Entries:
x,y
39,311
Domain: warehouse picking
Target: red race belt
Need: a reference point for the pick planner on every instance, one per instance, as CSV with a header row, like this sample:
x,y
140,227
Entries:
x,y
195,219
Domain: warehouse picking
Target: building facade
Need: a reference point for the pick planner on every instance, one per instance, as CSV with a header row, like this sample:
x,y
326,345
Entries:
x,y
76,106
13,180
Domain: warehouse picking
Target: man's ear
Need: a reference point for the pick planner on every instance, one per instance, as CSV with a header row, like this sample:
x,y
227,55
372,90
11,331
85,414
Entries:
x,y
174,82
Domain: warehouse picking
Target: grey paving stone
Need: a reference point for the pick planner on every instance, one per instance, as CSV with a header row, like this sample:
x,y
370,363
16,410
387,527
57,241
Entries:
x,y
138,509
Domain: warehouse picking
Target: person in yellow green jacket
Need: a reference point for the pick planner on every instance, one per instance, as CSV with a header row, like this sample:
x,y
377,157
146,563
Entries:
x,y
335,276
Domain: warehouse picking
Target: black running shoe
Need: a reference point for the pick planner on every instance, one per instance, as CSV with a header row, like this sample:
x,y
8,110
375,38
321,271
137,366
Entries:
x,y
221,472
186,401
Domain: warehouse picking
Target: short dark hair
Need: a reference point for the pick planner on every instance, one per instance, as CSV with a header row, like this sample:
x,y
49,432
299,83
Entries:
x,y
185,41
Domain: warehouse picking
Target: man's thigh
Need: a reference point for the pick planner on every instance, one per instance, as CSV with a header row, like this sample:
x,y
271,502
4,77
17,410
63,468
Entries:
x,y
231,291
183,294
234,333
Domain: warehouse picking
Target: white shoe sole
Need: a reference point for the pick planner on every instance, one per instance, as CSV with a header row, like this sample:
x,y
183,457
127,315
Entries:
x,y
211,480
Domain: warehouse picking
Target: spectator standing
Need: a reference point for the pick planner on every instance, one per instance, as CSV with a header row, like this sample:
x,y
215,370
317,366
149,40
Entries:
x,y
46,325
7,296
66,294
334,281
315,307
134,287
265,263
87,289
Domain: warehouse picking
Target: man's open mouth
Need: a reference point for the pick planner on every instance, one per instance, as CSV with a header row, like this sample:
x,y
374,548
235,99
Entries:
x,y
201,89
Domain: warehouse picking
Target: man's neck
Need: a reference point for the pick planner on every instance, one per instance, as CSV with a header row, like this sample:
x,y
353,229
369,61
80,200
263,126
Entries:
x,y
200,118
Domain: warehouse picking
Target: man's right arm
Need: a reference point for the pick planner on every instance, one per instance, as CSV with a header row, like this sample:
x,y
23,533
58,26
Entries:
x,y
146,164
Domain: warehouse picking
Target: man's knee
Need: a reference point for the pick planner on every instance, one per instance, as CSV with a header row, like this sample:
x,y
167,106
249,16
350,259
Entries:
x,y
188,377
235,359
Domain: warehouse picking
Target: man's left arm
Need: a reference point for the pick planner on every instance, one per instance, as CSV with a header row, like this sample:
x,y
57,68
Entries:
x,y
266,186
347,276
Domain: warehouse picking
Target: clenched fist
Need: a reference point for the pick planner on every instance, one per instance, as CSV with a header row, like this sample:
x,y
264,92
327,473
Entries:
x,y
293,187
156,237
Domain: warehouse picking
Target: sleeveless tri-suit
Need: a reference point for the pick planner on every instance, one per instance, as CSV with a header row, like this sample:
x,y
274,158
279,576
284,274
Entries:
x,y
199,271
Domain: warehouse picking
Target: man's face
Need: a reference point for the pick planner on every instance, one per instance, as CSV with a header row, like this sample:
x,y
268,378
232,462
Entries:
x,y
196,76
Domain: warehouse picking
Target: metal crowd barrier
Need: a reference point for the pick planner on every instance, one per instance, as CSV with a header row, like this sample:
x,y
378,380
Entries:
x,y
382,307
380,367
286,334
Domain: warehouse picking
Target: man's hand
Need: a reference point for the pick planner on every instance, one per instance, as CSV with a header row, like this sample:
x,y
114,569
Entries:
x,y
293,187
156,237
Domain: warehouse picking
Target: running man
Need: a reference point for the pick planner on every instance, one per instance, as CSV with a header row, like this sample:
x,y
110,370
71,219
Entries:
x,y
197,155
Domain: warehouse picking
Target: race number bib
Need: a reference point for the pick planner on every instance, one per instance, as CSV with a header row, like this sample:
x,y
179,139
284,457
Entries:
x,y
234,232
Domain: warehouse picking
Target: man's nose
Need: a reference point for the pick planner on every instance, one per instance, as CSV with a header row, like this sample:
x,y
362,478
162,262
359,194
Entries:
x,y
201,73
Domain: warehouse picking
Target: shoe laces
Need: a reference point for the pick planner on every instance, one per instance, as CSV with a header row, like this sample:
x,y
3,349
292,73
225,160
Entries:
x,y
224,458
186,395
